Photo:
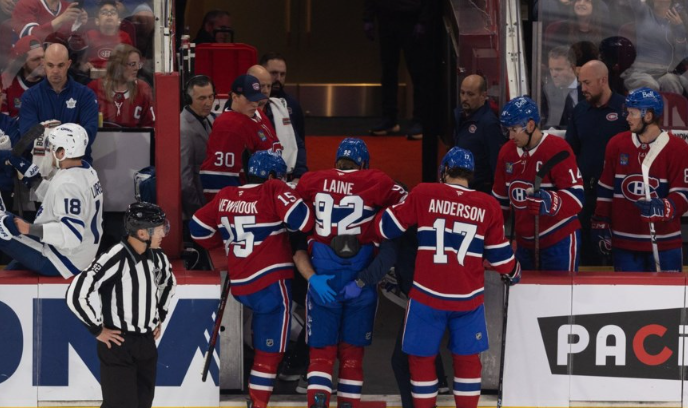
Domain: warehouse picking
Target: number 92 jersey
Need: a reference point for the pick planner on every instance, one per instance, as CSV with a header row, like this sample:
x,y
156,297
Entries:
x,y
457,227
345,202
250,220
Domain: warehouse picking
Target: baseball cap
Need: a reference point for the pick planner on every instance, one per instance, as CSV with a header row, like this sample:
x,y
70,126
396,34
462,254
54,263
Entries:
x,y
249,86
24,45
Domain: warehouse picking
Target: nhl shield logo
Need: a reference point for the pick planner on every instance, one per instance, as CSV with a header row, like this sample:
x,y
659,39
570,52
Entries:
x,y
472,128
509,168
269,342
623,159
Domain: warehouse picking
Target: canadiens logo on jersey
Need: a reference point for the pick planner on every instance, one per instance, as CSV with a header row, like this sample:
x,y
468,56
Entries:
x,y
517,193
104,53
633,188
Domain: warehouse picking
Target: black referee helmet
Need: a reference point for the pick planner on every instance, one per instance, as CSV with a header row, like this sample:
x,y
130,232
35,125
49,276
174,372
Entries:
x,y
143,215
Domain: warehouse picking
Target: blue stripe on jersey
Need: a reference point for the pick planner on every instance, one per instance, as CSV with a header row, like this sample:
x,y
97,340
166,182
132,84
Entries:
x,y
257,380
297,216
390,228
428,238
216,182
576,191
260,231
65,261
224,233
645,238
503,201
349,388
340,212
260,275
604,192
453,298
424,389
466,386
69,223
199,230
553,230
314,379
496,255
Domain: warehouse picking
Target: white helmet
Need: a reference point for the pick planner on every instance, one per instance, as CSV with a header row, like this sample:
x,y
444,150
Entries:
x,y
71,137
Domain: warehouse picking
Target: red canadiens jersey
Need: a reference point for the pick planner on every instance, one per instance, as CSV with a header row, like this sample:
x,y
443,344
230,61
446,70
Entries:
x,y
100,46
515,173
122,109
457,227
621,185
34,17
232,134
252,221
345,202
13,95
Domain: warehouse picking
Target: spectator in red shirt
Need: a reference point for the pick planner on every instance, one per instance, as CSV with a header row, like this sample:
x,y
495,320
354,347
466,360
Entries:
x,y
25,70
42,17
124,100
103,40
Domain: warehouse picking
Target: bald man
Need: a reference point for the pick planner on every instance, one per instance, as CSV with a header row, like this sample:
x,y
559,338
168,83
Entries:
x,y
478,130
59,97
594,122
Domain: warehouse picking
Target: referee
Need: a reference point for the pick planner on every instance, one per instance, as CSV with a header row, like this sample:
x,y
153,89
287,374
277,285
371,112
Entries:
x,y
134,284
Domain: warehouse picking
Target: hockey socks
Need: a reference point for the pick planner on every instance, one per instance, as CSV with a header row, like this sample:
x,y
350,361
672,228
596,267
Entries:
x,y
423,381
320,373
467,374
350,375
262,378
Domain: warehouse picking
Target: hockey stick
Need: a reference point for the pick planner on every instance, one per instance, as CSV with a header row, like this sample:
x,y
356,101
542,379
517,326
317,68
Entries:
x,y
216,329
655,149
544,170
27,139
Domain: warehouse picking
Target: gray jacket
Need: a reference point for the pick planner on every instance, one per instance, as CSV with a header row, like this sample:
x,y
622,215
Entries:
x,y
194,139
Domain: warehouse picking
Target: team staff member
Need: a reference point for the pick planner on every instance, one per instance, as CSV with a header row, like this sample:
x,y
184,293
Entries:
x,y
594,122
557,203
252,220
457,228
134,281
621,203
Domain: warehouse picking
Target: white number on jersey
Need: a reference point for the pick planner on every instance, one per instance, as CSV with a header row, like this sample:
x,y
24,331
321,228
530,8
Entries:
x,y
467,231
324,206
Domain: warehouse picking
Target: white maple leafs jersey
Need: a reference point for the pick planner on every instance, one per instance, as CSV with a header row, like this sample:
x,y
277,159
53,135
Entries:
x,y
72,219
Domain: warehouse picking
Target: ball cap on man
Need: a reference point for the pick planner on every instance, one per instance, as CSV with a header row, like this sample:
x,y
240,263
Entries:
x,y
18,56
249,86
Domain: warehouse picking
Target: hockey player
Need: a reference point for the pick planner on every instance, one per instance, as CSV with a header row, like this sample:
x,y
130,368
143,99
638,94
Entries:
x,y
234,132
457,227
621,200
64,238
253,221
556,204
345,200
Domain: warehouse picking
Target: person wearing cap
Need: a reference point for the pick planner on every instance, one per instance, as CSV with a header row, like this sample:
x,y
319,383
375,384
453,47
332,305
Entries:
x,y
25,70
42,17
235,132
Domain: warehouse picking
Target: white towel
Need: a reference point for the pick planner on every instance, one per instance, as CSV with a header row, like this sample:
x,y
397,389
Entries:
x,y
285,132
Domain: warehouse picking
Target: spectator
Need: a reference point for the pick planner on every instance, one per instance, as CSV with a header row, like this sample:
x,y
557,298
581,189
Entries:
x,y
144,20
124,99
196,122
25,70
586,22
584,51
76,46
561,65
235,132
594,122
64,238
42,17
103,40
624,220
59,97
216,28
660,45
478,131
401,26
557,203
618,54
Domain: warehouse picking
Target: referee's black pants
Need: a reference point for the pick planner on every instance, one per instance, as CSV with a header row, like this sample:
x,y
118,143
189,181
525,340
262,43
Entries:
x,y
127,372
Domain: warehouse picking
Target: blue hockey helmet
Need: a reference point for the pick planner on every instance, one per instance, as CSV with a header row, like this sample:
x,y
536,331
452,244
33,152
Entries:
x,y
644,99
519,111
264,162
457,158
355,150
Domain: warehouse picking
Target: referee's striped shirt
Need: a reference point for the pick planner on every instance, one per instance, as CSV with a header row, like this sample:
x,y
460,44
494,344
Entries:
x,y
134,291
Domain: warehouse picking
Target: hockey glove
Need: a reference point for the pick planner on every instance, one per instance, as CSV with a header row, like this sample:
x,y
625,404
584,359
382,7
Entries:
x,y
318,283
8,229
601,234
351,290
514,277
657,209
29,171
544,203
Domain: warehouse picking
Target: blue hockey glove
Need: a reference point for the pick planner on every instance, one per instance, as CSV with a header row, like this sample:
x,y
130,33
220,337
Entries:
x,y
544,203
319,285
601,234
514,277
7,227
657,209
351,290
28,170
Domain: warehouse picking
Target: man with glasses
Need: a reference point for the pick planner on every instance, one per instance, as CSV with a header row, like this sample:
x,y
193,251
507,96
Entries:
x,y
106,37
557,203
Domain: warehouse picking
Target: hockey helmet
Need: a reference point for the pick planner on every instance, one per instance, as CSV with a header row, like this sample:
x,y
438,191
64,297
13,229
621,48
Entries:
x,y
71,137
264,162
355,150
143,215
644,99
456,158
519,111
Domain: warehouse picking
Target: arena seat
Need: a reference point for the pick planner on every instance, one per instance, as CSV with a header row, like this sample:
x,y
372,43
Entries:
x,y
224,62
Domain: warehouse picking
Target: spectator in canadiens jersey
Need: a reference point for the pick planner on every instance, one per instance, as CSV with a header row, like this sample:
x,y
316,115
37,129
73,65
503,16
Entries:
x,y
236,131
341,302
125,100
64,238
457,228
25,70
132,284
106,37
621,223
253,220
557,203
42,17
59,97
